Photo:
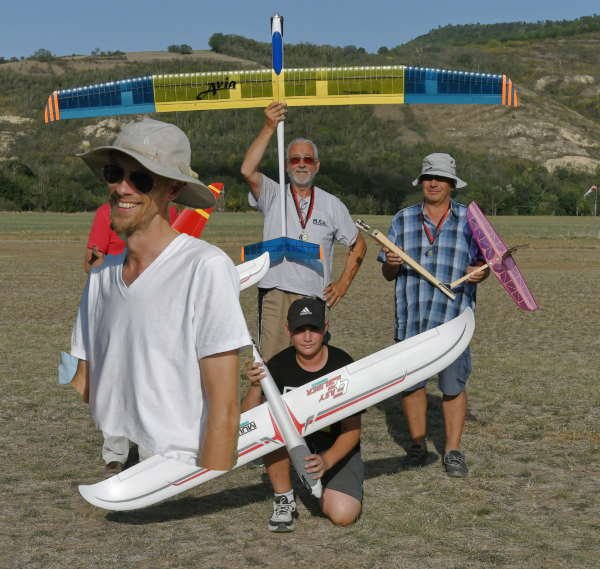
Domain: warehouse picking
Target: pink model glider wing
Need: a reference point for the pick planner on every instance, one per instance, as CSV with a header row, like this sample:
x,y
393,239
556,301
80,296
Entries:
x,y
499,259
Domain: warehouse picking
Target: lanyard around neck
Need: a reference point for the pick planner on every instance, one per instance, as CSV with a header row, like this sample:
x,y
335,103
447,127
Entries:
x,y
304,220
438,228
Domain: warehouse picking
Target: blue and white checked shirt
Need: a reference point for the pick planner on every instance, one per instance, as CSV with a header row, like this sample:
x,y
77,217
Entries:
x,y
419,305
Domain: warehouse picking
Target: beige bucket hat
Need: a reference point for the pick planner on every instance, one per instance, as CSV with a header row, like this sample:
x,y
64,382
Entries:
x,y
163,149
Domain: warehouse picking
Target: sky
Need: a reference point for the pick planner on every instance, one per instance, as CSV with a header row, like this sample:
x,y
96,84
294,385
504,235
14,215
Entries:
x,y
65,26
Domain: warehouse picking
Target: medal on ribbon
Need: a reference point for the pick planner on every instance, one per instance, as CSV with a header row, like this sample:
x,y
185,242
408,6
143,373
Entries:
x,y
301,218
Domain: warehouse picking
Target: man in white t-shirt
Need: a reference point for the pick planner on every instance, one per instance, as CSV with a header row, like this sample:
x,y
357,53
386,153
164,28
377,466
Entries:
x,y
159,326
313,215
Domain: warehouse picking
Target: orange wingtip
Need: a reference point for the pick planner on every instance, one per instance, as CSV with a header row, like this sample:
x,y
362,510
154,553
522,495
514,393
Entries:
x,y
242,255
510,97
51,110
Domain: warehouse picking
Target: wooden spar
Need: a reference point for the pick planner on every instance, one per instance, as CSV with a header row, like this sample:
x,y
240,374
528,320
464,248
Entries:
x,y
385,242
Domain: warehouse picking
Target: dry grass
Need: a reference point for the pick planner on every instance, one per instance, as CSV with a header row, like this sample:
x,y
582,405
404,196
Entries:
x,y
532,439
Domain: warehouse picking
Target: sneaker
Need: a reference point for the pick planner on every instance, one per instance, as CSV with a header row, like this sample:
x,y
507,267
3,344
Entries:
x,y
284,513
455,464
416,455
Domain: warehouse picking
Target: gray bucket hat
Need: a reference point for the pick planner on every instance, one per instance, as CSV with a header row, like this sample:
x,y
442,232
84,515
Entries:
x,y
440,164
163,149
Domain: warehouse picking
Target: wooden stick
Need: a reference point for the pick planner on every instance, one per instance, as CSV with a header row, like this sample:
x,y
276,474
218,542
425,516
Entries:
x,y
465,277
508,252
383,240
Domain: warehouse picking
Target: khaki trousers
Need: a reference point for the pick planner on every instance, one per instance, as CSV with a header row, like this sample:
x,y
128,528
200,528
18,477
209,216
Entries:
x,y
273,306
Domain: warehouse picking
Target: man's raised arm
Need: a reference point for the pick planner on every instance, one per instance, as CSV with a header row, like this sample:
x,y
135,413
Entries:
x,y
274,113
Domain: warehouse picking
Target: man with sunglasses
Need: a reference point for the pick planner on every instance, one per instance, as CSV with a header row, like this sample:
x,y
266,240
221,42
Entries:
x,y
102,241
434,233
159,326
312,215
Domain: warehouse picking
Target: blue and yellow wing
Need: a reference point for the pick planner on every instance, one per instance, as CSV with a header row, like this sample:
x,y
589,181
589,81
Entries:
x,y
382,85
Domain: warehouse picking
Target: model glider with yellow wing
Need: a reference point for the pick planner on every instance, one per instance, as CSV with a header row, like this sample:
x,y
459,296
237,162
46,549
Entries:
x,y
394,84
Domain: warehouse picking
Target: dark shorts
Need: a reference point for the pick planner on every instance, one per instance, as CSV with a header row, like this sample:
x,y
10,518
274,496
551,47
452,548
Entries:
x,y
453,379
347,476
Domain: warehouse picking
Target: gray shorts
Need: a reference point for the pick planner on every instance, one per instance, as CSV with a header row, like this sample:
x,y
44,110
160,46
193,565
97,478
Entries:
x,y
347,476
453,379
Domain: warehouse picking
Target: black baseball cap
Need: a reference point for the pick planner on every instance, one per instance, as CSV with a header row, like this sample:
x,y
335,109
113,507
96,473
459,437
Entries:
x,y
306,312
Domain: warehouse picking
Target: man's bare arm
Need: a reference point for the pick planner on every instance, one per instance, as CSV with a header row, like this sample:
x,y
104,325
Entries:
x,y
93,258
337,289
274,113
391,267
349,437
254,397
220,379
479,275
81,380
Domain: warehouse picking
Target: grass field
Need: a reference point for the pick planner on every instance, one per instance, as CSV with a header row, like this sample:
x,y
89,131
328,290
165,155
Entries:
x,y
532,437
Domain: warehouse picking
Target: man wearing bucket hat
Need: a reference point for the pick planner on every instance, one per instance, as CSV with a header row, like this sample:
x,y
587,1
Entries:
x,y
434,233
336,459
159,326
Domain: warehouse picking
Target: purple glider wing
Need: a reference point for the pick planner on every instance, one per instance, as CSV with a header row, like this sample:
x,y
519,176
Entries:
x,y
497,256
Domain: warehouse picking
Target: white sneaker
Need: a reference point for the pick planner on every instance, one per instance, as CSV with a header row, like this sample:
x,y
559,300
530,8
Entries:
x,y
284,514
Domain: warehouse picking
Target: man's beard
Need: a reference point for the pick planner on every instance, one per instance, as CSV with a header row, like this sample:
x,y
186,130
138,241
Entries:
x,y
126,226
307,182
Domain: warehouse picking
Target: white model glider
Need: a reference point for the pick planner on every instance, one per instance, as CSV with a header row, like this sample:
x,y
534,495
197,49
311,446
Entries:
x,y
312,407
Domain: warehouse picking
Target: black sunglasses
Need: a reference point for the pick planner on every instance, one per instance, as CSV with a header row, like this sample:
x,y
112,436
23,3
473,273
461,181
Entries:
x,y
142,180
430,177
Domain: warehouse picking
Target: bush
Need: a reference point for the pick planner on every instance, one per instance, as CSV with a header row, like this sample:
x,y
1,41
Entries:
x,y
183,48
42,55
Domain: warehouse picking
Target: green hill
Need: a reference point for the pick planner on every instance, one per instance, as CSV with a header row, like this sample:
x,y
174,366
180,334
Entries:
x,y
537,159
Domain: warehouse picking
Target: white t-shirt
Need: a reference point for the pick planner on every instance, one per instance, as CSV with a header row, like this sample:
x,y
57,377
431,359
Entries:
x,y
330,221
143,342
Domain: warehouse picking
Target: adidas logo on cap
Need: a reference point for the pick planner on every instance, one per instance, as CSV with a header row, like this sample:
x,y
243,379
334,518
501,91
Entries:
x,y
306,312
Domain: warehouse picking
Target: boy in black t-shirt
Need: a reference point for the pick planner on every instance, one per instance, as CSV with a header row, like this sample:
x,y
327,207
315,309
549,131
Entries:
x,y
336,459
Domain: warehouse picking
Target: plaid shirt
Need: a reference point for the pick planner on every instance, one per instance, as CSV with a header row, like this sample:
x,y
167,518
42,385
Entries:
x,y
419,305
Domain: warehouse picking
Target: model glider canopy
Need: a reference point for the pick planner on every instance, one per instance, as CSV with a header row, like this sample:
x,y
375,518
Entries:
x,y
298,87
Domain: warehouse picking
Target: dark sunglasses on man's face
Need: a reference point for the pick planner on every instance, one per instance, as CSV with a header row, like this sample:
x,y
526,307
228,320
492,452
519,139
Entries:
x,y
295,160
429,178
142,180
